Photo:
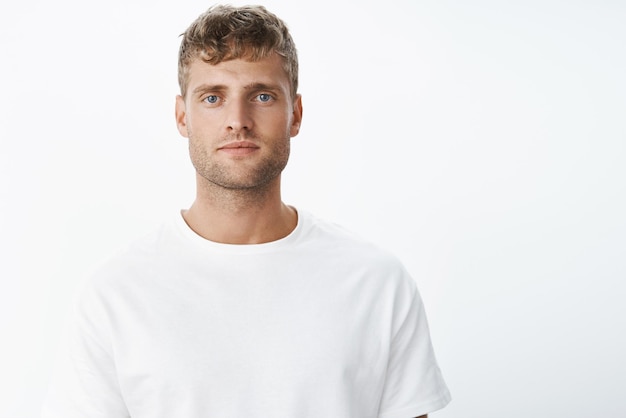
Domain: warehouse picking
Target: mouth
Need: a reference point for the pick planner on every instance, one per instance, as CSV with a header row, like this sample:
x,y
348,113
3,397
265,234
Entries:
x,y
239,148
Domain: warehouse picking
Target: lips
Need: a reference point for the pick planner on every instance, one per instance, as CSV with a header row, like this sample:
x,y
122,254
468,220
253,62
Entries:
x,y
239,148
239,144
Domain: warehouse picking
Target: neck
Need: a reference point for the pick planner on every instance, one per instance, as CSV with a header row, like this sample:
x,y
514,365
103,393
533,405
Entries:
x,y
243,216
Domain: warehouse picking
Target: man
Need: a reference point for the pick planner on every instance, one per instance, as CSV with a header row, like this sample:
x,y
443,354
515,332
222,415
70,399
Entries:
x,y
243,305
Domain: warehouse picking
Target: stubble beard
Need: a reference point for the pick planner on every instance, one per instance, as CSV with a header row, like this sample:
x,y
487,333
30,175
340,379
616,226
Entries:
x,y
240,179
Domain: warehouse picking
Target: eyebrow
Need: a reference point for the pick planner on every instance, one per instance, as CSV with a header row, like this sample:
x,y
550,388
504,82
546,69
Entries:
x,y
203,88
261,86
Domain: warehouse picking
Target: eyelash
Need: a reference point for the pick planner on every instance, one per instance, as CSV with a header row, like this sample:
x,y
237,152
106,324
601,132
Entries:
x,y
258,96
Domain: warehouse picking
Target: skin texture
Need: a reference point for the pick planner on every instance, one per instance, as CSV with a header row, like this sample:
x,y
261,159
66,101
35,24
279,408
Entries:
x,y
239,117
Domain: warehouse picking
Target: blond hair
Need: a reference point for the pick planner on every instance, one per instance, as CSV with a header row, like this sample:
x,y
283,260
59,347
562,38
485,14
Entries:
x,y
224,33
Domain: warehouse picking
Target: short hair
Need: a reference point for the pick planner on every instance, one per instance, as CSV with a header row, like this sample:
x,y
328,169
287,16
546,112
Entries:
x,y
226,32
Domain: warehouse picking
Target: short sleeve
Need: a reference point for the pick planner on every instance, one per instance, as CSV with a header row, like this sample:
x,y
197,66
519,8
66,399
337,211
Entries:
x,y
414,385
84,382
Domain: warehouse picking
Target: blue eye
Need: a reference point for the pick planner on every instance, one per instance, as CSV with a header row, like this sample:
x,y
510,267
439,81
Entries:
x,y
264,97
211,99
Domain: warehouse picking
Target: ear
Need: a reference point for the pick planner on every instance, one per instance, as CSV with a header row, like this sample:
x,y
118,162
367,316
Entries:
x,y
296,116
181,116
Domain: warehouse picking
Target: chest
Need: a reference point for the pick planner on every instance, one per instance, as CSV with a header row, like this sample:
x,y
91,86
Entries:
x,y
234,346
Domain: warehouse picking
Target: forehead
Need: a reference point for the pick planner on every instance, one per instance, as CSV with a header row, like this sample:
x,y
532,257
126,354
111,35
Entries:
x,y
238,72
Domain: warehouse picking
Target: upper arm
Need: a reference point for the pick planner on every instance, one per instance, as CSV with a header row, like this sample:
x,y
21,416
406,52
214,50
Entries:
x,y
85,381
413,381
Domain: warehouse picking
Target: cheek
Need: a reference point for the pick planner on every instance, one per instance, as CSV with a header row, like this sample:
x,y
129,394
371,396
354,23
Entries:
x,y
198,153
200,127
285,124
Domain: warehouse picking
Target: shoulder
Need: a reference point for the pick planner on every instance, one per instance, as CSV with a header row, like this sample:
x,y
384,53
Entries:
x,y
318,231
137,260
351,249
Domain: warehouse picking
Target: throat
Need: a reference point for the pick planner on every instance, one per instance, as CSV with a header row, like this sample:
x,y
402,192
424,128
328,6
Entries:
x,y
241,216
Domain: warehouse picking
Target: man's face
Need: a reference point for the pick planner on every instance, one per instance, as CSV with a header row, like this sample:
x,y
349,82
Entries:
x,y
239,117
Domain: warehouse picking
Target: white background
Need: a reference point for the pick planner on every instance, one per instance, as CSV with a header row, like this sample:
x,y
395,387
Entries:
x,y
484,142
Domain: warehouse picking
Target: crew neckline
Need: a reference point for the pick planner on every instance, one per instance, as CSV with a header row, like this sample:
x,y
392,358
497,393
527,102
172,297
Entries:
x,y
191,236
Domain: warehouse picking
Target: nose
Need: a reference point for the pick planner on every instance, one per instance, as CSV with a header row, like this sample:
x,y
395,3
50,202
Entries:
x,y
238,117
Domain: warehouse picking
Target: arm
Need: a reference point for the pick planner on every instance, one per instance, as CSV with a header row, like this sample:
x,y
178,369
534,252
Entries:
x,y
85,382
413,378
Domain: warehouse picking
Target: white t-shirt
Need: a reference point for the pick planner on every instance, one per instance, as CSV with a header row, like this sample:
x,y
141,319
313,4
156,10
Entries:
x,y
317,324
